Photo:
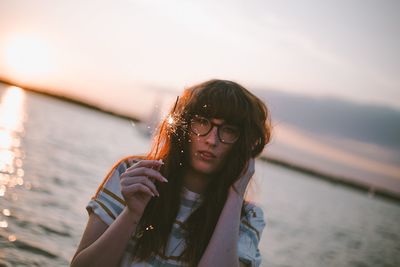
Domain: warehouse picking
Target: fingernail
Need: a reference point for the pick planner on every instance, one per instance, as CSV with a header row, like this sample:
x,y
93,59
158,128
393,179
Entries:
x,y
164,179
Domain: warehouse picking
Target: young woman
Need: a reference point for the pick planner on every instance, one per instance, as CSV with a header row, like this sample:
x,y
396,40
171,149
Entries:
x,y
183,203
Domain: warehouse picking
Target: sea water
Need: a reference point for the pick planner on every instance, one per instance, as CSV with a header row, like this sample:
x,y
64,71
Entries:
x,y
54,154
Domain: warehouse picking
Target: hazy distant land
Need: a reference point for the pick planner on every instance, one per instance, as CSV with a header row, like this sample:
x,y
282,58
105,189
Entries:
x,y
329,116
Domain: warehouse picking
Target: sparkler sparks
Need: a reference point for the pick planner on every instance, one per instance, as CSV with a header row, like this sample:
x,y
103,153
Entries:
x,y
170,120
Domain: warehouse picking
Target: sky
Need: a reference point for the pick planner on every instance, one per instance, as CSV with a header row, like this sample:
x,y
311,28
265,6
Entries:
x,y
113,53
133,57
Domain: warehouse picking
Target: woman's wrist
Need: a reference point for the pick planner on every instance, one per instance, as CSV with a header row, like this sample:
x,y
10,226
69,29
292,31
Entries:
x,y
132,215
235,193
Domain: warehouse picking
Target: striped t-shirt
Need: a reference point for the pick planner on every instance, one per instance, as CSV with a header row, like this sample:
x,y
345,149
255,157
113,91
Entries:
x,y
108,203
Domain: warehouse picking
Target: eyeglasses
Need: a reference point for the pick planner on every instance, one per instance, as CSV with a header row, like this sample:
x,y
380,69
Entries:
x,y
227,134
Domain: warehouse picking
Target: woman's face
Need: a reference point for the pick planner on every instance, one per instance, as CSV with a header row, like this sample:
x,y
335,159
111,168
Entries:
x,y
208,153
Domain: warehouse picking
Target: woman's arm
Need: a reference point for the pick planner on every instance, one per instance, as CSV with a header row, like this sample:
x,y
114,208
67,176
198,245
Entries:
x,y
222,248
103,245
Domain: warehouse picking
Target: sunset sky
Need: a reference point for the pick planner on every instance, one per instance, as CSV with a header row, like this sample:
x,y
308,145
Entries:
x,y
134,57
108,52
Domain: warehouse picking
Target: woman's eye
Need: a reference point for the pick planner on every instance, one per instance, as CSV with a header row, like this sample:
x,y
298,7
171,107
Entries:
x,y
203,121
200,120
230,129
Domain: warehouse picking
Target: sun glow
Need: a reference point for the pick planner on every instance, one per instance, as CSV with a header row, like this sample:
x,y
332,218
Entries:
x,y
27,56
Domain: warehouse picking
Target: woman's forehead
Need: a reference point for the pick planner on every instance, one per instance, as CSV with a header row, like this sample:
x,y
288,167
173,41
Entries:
x,y
217,120
228,115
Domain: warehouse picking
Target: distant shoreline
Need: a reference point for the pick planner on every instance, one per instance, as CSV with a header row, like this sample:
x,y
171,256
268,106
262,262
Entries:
x,y
370,190
70,100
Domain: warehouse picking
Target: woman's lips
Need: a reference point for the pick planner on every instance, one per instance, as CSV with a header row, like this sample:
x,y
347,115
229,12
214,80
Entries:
x,y
207,155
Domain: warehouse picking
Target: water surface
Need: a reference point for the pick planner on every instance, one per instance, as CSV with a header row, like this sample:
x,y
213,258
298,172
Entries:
x,y
54,154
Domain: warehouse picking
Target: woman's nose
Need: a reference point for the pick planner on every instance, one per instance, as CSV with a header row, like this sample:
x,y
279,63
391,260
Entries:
x,y
212,136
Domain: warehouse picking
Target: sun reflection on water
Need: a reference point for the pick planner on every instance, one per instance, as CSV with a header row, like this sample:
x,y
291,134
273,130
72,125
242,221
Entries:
x,y
11,128
12,117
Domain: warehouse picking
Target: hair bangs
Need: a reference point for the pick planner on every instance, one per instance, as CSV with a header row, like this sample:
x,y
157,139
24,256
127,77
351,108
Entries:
x,y
220,102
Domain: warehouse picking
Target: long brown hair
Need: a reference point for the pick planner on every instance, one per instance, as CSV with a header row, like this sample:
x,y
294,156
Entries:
x,y
214,99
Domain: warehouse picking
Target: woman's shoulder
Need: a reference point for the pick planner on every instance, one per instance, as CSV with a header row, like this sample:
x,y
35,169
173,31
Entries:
x,y
119,167
108,201
124,163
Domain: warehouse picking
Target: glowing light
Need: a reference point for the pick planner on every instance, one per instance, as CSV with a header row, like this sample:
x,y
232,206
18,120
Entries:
x,y
28,186
20,173
11,109
12,238
170,120
11,124
2,190
18,163
6,159
6,212
20,181
28,56
3,224
4,179
6,140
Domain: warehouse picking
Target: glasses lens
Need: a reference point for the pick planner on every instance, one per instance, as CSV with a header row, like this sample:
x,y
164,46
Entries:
x,y
229,134
200,125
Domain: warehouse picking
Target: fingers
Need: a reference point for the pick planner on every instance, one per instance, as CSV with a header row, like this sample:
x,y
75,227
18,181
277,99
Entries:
x,y
143,171
147,168
133,189
154,164
128,182
140,178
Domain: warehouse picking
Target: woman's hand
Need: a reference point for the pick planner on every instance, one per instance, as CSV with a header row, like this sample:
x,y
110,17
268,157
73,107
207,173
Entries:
x,y
241,184
137,184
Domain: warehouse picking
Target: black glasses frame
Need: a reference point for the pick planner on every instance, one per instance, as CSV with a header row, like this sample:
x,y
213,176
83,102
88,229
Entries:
x,y
212,126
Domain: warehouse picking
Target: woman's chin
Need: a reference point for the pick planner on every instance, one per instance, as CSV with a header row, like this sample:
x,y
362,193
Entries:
x,y
206,168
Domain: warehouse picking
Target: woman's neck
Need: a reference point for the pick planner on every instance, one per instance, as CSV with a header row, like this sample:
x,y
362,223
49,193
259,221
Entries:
x,y
195,181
